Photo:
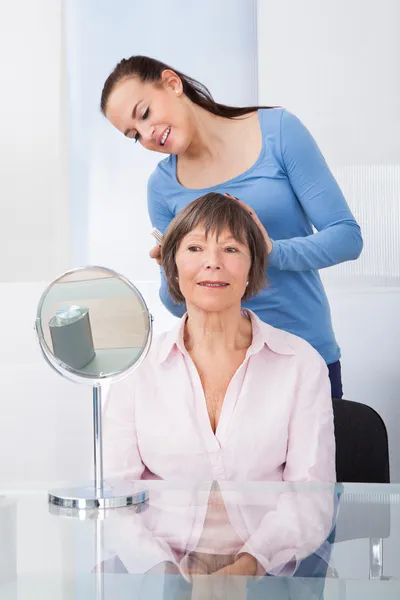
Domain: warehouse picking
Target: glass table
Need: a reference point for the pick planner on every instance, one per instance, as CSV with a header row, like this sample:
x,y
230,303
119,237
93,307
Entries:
x,y
221,540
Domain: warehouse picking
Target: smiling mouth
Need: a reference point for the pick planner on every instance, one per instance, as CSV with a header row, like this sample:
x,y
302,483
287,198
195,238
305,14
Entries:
x,y
165,136
213,284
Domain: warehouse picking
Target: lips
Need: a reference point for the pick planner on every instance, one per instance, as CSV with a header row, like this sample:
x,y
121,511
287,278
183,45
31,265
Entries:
x,y
213,284
164,136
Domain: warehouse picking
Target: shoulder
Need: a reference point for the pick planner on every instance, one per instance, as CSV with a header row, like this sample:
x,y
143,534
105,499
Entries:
x,y
287,344
304,352
143,375
135,385
152,357
279,128
269,116
272,119
160,348
279,121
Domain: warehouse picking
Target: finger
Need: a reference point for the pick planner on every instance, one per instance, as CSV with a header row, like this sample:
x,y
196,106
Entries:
x,y
233,197
243,205
247,207
224,571
157,258
155,252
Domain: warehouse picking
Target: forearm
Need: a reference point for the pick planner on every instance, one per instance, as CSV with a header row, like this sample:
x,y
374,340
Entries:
x,y
331,246
316,189
300,524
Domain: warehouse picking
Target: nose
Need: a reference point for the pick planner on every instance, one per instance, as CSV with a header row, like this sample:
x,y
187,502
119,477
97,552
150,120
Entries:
x,y
147,131
212,261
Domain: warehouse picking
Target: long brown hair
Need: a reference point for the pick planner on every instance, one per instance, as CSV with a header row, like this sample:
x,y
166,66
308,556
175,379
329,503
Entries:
x,y
150,70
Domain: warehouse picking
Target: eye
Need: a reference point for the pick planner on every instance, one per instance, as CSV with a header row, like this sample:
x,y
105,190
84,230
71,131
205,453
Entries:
x,y
231,249
145,114
194,248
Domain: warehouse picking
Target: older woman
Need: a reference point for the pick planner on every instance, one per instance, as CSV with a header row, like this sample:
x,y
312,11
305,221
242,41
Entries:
x,y
222,395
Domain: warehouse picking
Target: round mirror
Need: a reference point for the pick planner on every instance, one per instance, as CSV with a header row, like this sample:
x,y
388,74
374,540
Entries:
x,y
93,324
93,327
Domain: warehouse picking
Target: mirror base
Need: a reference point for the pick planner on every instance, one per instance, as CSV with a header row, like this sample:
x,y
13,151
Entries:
x,y
111,496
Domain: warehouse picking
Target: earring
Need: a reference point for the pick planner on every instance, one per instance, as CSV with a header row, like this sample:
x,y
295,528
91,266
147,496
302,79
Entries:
x,y
247,283
177,278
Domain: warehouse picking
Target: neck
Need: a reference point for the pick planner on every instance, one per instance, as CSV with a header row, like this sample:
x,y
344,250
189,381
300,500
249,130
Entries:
x,y
220,331
209,135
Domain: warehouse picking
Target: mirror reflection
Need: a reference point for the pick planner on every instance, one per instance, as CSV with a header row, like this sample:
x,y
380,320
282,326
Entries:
x,y
94,322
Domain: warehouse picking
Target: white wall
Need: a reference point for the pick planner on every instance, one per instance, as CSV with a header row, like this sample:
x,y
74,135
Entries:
x,y
336,65
34,201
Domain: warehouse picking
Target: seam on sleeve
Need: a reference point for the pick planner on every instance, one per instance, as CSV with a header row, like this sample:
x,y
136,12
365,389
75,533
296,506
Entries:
x,y
280,141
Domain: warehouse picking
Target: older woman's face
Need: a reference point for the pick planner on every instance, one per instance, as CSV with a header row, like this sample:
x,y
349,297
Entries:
x,y
212,272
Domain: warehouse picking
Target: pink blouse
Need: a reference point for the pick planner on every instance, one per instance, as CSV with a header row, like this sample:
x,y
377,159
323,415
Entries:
x,y
276,422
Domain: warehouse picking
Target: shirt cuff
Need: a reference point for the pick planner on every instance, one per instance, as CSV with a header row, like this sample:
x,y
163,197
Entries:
x,y
285,564
273,256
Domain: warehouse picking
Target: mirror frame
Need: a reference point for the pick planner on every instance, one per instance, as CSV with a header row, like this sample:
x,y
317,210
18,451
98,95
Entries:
x,y
67,371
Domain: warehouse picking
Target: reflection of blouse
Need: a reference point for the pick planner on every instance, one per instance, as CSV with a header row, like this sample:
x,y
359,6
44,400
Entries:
x,y
205,527
276,422
218,535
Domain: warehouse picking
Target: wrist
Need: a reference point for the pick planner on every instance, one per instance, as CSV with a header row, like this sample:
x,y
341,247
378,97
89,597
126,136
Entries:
x,y
248,562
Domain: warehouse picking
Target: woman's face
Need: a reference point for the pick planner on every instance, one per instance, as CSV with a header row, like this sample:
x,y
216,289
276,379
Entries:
x,y
212,273
157,116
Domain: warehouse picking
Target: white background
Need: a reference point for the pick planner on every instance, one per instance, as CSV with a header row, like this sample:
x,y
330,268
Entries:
x,y
33,183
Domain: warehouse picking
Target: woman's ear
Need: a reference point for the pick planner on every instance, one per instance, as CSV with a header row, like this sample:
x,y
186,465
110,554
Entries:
x,y
172,82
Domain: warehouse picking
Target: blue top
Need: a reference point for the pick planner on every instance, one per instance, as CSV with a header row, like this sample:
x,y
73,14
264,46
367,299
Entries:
x,y
291,189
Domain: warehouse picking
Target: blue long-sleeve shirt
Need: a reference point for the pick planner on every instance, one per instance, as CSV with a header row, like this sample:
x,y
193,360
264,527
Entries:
x,y
291,189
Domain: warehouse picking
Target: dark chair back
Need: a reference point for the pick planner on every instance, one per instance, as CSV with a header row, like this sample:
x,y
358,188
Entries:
x,y
362,448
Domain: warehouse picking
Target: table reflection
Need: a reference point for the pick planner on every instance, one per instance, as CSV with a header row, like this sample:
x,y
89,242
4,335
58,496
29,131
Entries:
x,y
309,541
221,541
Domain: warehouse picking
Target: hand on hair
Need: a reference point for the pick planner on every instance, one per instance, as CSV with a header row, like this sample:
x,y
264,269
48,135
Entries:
x,y
253,215
156,254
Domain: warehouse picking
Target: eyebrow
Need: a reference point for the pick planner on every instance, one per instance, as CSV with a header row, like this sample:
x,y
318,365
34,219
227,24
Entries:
x,y
133,117
199,236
